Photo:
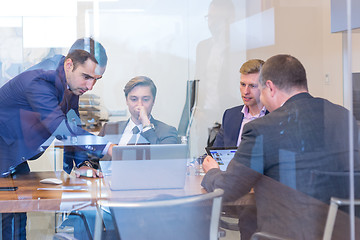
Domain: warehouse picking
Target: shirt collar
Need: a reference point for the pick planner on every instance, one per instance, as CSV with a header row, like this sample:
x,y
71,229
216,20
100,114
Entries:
x,y
131,125
247,114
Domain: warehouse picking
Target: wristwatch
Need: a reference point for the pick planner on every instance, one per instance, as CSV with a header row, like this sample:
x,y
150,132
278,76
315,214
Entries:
x,y
148,127
85,163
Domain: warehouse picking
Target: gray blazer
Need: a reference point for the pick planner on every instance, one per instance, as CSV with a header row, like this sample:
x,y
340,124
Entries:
x,y
161,134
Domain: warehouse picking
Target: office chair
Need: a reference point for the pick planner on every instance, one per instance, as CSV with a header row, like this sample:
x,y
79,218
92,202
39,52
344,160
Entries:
x,y
330,221
333,184
338,191
304,217
193,217
63,236
266,236
189,109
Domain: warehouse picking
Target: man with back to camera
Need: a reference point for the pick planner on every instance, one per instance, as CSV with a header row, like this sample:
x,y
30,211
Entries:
x,y
235,118
140,94
299,136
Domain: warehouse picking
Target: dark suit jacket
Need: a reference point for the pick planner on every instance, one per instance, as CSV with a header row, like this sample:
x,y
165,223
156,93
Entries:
x,y
303,136
231,123
230,127
162,134
30,113
70,101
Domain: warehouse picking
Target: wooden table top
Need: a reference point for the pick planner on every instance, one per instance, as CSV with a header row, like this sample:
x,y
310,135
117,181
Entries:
x,y
32,195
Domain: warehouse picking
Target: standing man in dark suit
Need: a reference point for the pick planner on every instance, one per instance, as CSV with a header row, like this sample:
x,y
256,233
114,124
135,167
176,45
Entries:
x,y
31,113
140,94
31,108
235,118
299,136
71,100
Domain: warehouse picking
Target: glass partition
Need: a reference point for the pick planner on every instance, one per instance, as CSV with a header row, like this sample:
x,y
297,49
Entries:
x,y
193,51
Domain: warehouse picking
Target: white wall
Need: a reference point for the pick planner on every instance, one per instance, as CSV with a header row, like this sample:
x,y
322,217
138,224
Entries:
x,y
172,43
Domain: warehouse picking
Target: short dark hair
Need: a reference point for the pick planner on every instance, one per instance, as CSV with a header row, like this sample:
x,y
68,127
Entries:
x,y
251,66
140,81
85,48
285,71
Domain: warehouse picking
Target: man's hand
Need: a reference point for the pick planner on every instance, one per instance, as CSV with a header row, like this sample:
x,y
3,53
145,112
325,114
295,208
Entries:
x,y
86,171
143,115
109,152
209,163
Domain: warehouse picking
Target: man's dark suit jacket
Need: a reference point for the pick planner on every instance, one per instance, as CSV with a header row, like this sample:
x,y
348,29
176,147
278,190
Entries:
x,y
70,101
231,123
230,127
304,136
30,114
161,134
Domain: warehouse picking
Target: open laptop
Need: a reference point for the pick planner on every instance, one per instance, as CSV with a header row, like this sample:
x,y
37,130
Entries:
x,y
222,155
136,167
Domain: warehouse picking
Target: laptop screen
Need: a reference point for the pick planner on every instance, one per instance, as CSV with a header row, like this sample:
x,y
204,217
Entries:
x,y
158,166
221,155
150,152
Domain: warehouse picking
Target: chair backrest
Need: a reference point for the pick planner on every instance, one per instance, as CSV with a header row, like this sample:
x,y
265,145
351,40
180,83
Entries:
x,y
335,203
332,184
189,108
335,187
289,213
192,217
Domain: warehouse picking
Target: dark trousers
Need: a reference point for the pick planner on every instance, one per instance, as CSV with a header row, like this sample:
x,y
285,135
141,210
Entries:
x,y
247,221
14,224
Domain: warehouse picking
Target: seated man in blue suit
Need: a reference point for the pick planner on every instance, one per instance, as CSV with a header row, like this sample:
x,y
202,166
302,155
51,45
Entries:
x,y
235,118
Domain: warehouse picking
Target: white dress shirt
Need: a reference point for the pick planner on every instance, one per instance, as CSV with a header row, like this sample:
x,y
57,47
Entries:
x,y
128,133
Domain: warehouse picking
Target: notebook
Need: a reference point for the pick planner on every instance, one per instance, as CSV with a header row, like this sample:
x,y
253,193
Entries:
x,y
139,167
222,155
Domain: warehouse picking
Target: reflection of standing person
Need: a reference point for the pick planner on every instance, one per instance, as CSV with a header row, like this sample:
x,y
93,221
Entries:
x,y
214,70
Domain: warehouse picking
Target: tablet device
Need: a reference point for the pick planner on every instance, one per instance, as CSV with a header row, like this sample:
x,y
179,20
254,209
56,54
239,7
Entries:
x,y
221,155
